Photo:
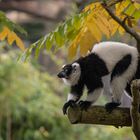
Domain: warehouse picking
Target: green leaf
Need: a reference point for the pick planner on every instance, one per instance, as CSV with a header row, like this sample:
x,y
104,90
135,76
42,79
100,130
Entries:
x,y
136,14
28,52
130,10
38,47
49,41
76,21
20,29
59,36
71,35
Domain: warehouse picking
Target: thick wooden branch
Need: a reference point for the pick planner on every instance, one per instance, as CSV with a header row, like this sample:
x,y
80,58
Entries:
x,y
98,115
135,87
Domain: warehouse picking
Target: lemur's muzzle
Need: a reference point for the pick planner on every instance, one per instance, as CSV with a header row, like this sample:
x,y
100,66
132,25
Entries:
x,y
62,74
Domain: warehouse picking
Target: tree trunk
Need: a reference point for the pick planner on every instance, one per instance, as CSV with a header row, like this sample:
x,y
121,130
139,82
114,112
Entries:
x,y
135,116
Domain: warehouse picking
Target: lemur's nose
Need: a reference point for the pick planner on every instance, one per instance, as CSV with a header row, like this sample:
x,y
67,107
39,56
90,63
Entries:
x,y
61,74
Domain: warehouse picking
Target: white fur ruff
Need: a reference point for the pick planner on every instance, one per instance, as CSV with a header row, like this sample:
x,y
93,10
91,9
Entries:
x,y
74,77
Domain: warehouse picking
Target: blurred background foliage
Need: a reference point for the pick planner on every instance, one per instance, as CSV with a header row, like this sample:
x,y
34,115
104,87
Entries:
x,y
30,106
31,96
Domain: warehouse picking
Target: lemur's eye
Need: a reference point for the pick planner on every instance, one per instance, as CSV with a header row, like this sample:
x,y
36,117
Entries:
x,y
66,70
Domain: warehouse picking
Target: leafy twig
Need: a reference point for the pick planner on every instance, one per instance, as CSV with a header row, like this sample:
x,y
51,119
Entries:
x,y
122,23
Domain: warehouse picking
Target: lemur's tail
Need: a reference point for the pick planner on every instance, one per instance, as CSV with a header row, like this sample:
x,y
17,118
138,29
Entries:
x,y
137,76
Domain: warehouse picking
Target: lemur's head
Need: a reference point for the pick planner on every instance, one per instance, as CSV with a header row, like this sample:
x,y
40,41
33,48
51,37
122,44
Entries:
x,y
70,73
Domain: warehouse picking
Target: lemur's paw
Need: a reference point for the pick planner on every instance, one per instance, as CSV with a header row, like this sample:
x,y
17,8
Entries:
x,y
84,105
70,103
110,106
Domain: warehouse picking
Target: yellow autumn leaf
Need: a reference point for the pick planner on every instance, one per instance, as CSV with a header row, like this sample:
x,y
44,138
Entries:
x,y
121,30
94,29
72,50
120,7
19,43
104,19
102,27
11,37
86,44
114,26
93,6
4,33
137,6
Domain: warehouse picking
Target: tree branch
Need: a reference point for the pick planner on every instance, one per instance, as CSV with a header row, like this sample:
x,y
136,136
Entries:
x,y
121,23
29,7
98,115
135,87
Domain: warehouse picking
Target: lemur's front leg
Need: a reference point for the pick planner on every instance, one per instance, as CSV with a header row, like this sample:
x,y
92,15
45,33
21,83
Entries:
x,y
74,96
71,102
91,98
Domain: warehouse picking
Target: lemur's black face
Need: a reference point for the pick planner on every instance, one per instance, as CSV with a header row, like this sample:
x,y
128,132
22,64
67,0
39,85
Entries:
x,y
70,73
66,71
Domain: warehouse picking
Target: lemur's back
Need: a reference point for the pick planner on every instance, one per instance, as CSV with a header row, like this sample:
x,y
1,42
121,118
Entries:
x,y
106,51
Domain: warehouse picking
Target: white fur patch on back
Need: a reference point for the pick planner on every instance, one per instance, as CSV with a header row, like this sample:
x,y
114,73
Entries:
x,y
112,52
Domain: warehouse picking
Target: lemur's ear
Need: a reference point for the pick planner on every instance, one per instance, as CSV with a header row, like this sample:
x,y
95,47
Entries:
x,y
75,65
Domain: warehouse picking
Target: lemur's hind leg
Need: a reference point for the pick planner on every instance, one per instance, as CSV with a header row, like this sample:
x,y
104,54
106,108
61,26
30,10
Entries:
x,y
109,93
120,75
117,85
107,90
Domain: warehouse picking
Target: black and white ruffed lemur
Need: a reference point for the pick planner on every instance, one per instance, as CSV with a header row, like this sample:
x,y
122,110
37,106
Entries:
x,y
109,68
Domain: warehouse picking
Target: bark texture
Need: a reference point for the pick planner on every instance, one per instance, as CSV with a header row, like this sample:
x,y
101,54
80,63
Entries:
x,y
98,115
135,115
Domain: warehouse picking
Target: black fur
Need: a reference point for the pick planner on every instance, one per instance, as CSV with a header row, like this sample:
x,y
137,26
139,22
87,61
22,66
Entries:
x,y
110,106
66,71
84,105
92,69
78,88
121,66
137,76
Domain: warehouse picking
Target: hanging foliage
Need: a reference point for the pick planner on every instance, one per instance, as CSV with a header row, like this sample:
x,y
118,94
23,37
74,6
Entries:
x,y
7,31
83,30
